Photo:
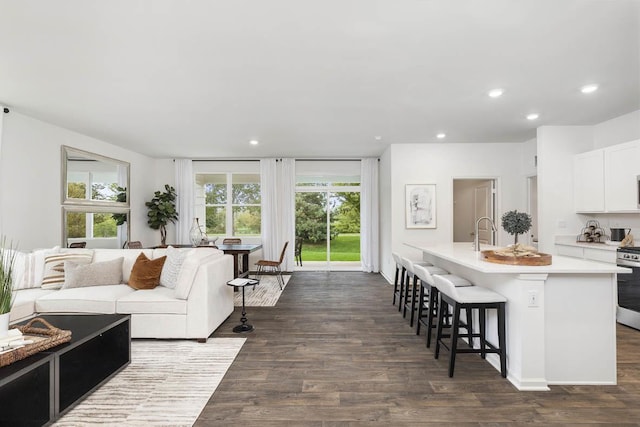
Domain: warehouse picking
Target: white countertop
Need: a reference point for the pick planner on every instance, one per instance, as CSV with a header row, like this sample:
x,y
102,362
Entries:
x,y
463,254
571,241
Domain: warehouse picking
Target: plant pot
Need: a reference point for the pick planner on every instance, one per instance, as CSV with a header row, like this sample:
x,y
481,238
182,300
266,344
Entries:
x,y
4,325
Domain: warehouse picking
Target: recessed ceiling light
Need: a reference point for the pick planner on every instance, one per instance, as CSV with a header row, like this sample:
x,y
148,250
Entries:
x,y
589,88
532,116
441,135
495,93
377,138
254,142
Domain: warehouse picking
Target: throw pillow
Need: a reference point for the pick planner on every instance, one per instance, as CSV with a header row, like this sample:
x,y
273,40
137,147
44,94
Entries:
x,y
145,273
54,267
172,266
96,274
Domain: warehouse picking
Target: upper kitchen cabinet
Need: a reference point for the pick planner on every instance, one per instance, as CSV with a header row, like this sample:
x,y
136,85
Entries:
x,y
606,180
622,167
588,181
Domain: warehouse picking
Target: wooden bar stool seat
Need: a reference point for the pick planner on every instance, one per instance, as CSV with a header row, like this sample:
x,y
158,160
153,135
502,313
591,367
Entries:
x,y
460,294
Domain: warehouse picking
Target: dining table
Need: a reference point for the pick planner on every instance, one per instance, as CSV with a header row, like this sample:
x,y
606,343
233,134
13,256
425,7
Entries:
x,y
240,253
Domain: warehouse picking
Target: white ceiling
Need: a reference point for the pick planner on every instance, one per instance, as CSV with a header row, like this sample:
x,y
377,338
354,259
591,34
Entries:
x,y
200,78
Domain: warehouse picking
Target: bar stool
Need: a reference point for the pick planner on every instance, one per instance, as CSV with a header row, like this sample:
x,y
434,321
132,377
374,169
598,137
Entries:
x,y
428,298
460,295
397,282
409,295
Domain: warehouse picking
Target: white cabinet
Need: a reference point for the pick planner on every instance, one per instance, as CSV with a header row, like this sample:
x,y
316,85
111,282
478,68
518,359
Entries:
x,y
622,166
605,180
588,181
595,253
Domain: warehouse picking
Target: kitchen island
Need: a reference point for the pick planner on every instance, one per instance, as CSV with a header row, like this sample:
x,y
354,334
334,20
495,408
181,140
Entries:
x,y
561,318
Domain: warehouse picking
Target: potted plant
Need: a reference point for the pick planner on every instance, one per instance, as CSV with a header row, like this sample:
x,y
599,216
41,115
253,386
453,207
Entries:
x,y
7,260
516,223
162,211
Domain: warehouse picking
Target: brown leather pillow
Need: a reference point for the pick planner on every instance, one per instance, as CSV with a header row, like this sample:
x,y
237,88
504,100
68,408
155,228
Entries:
x,y
145,273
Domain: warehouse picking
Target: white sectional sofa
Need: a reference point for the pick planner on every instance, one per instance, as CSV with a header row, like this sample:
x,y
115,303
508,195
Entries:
x,y
199,303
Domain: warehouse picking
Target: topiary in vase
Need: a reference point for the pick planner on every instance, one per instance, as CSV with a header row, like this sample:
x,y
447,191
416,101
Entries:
x,y
516,223
162,211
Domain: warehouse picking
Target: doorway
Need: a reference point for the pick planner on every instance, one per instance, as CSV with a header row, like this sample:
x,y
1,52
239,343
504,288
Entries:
x,y
532,188
472,199
328,224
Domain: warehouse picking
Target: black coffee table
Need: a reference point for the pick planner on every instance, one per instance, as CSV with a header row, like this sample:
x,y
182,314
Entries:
x,y
39,389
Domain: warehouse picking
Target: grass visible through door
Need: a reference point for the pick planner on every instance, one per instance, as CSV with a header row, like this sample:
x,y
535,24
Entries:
x,y
344,247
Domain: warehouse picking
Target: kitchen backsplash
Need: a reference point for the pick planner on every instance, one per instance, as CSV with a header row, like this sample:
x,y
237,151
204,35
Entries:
x,y
608,221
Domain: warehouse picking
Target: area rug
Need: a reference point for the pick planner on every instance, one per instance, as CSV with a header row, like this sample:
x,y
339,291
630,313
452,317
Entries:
x,y
167,383
266,294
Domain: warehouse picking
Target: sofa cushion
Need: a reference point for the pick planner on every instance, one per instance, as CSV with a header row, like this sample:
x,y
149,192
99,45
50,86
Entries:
x,y
190,267
129,255
172,266
95,299
145,273
96,274
24,302
159,300
54,266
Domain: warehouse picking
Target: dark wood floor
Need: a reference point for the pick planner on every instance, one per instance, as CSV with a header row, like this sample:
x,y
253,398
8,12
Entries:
x,y
335,352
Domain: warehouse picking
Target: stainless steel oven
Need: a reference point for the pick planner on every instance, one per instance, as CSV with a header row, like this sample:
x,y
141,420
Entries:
x,y
628,312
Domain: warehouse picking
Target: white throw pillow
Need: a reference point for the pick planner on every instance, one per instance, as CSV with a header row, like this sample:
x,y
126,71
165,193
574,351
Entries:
x,y
172,266
54,266
96,274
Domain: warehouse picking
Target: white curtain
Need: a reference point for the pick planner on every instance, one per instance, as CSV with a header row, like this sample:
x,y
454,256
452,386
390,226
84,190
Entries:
x,y
288,209
277,183
184,205
369,220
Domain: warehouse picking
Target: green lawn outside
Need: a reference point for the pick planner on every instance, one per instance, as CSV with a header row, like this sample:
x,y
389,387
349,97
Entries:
x,y
344,247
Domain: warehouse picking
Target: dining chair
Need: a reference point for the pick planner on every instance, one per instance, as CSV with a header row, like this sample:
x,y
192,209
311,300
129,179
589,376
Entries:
x,y
297,252
274,266
136,244
78,245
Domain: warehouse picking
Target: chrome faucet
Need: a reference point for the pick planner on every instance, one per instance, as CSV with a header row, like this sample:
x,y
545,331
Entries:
x,y
476,239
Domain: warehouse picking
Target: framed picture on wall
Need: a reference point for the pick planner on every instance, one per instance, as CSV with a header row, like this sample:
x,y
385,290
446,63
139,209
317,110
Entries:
x,y
420,205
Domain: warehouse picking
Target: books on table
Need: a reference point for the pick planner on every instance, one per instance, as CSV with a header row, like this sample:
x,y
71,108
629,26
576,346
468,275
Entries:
x,y
242,282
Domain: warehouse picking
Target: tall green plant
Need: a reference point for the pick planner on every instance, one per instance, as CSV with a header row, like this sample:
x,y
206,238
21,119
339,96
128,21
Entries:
x,y
162,211
7,261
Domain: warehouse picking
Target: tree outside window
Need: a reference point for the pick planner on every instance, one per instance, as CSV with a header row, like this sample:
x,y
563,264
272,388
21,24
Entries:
x,y
238,215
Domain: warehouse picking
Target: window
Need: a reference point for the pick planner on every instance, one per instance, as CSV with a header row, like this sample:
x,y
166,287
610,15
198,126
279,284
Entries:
x,y
231,203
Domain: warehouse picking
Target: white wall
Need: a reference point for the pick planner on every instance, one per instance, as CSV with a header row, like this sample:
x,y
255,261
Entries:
x,y
439,164
618,130
30,181
387,267
556,148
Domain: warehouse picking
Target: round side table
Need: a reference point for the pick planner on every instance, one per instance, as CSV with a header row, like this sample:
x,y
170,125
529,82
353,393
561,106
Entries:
x,y
243,283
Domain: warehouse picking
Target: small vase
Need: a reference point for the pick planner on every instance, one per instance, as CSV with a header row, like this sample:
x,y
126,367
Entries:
x,y
196,234
4,325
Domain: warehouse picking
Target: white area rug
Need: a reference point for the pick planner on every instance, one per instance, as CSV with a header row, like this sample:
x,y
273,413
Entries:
x,y
168,383
266,294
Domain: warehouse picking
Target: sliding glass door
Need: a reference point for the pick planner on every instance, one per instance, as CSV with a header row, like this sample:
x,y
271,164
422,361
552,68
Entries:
x,y
328,223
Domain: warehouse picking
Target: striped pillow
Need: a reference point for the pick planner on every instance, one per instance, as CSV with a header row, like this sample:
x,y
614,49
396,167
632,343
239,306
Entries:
x,y
54,267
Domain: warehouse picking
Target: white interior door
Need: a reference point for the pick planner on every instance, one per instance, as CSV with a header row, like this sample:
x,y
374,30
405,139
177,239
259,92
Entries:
x,y
483,206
